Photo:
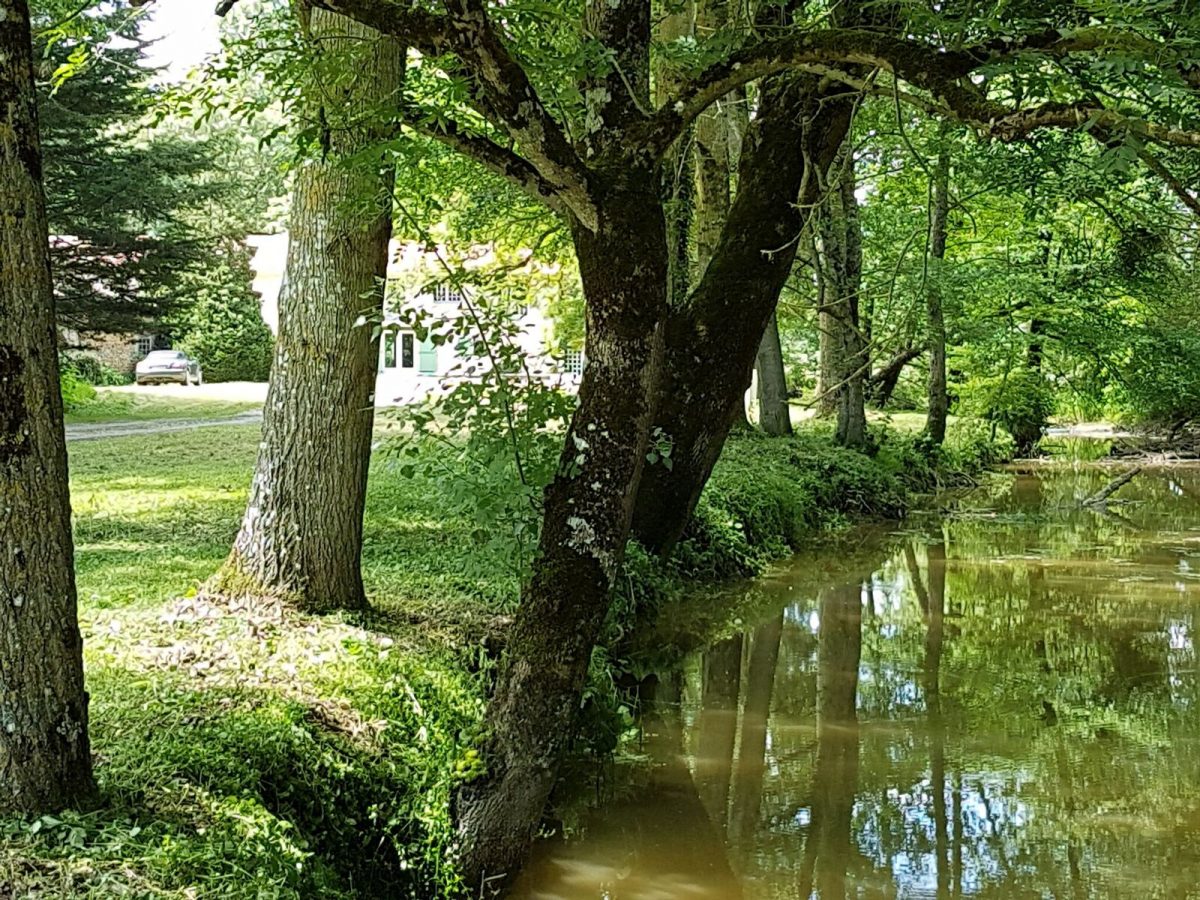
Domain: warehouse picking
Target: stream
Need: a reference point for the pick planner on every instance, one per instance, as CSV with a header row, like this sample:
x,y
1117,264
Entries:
x,y
1001,700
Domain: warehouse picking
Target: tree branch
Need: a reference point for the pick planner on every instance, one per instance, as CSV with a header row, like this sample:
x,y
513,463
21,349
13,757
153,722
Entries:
x,y
416,27
486,152
1010,125
1155,165
511,95
466,31
928,66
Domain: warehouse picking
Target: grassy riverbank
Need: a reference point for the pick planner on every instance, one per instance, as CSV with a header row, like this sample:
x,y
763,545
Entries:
x,y
259,753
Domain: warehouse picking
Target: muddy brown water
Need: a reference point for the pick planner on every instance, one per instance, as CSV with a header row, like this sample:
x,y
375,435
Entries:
x,y
1002,702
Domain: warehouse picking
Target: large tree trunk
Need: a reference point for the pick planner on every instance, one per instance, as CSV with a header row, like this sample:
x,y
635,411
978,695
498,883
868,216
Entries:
x,y
711,345
301,537
585,528
935,313
45,761
774,414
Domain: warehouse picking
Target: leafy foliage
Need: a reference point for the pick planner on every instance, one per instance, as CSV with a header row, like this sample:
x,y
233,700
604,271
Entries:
x,y
490,439
135,205
222,327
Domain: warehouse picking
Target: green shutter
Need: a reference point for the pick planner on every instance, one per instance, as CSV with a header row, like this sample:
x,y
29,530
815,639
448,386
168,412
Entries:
x,y
428,358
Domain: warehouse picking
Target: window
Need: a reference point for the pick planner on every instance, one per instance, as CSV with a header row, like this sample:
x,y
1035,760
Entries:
x,y
398,343
573,362
443,293
144,345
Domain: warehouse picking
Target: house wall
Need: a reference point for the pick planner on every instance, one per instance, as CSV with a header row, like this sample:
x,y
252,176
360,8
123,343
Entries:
x,y
119,352
411,371
438,367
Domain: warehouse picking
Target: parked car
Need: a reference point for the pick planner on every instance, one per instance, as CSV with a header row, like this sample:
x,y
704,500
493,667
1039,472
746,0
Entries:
x,y
168,365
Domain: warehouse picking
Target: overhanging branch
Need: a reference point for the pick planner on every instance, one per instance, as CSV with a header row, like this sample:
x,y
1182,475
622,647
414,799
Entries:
x,y
928,66
488,153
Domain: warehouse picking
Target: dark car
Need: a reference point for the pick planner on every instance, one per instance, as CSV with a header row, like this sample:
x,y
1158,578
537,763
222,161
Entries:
x,y
162,366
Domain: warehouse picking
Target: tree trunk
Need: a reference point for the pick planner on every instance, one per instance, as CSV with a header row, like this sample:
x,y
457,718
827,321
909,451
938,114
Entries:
x,y
1027,430
585,528
45,761
826,399
774,414
301,537
711,345
841,245
678,187
935,314
712,183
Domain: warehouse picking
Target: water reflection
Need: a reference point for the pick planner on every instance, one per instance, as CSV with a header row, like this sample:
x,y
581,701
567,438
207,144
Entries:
x,y
1000,704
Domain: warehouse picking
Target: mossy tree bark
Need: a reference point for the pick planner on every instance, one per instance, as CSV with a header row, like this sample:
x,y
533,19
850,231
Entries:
x,y
712,343
45,760
585,528
935,312
301,536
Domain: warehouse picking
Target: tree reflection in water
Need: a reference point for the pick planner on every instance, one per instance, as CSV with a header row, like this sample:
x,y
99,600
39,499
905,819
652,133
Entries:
x,y
1004,703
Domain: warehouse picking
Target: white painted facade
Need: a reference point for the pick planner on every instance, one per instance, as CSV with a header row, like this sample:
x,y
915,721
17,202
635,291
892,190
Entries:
x,y
409,369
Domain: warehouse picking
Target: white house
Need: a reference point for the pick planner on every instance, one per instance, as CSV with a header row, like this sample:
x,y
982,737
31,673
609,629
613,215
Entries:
x,y
411,369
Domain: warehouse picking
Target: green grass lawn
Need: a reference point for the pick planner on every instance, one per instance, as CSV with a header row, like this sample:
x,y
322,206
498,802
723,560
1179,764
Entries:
x,y
252,753
120,406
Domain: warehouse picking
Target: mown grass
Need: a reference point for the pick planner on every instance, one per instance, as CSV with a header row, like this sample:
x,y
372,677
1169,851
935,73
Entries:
x,y
259,753
121,406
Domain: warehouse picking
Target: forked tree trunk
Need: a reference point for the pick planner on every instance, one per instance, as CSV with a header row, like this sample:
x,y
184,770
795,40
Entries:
x,y
711,345
774,414
301,537
45,761
935,313
585,528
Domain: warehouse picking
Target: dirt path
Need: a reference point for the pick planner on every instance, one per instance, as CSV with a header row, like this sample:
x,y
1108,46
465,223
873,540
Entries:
x,y
97,430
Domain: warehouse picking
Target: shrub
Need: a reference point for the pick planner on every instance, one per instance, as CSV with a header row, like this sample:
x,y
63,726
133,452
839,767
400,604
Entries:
x,y
1020,401
223,327
93,371
77,391
1161,380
